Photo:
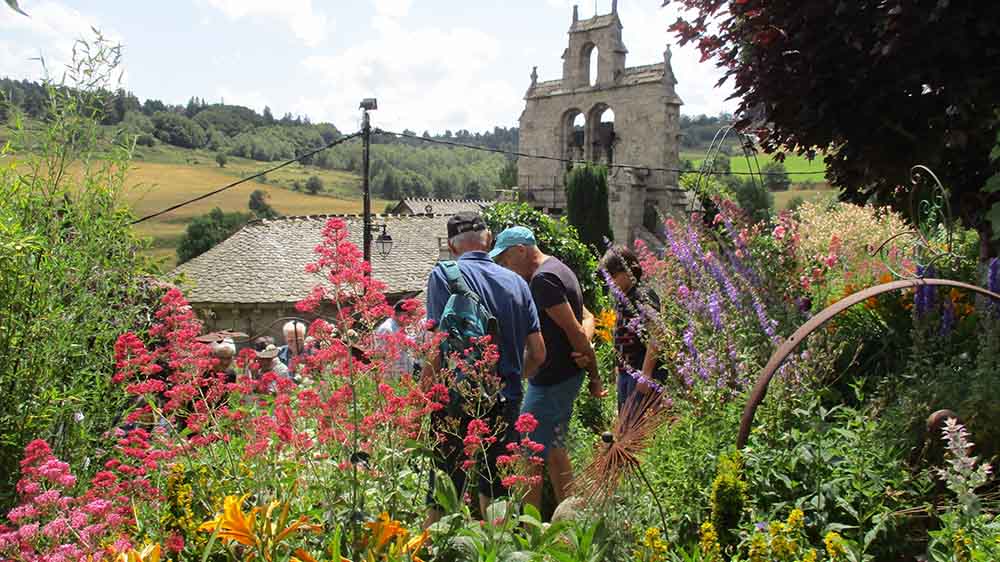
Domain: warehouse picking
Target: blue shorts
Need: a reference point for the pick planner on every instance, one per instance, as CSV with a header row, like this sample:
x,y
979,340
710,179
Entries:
x,y
552,406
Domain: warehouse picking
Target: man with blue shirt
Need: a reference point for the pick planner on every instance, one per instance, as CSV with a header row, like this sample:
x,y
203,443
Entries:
x,y
521,347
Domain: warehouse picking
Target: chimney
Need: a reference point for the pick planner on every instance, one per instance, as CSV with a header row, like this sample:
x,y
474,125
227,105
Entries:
x,y
576,13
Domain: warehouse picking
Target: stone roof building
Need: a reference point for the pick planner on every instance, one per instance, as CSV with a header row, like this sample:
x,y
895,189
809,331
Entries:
x,y
251,280
418,206
619,116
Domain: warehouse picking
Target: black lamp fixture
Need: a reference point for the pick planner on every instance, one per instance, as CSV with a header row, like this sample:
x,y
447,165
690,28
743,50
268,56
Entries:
x,y
384,240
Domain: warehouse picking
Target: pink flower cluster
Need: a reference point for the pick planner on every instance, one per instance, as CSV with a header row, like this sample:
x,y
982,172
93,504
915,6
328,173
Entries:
x,y
51,524
521,465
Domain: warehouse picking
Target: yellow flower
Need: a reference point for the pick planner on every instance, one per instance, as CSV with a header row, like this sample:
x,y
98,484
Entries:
x,y
758,548
149,553
232,523
709,542
604,325
810,556
303,556
795,519
834,546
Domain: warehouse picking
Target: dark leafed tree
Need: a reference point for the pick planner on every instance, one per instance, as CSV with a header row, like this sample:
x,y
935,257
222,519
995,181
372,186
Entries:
x,y
879,86
259,206
206,231
587,204
220,159
314,185
508,174
776,176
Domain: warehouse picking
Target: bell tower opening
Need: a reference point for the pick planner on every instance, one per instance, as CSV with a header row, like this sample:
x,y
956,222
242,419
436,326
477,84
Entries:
x,y
603,134
574,136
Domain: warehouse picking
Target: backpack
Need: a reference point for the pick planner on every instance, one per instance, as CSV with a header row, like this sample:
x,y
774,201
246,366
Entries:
x,y
464,318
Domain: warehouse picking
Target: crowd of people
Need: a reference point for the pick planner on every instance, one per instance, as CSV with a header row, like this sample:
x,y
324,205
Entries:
x,y
542,330
544,333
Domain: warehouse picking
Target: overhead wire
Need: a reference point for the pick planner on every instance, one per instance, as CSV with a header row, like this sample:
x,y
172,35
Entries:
x,y
298,158
509,153
571,161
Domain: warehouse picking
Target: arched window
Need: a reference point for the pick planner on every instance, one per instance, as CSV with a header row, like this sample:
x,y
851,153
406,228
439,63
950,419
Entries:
x,y
574,135
603,134
589,57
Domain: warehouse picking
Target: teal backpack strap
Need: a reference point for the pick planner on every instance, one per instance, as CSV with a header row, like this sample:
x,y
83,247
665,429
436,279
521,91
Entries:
x,y
456,281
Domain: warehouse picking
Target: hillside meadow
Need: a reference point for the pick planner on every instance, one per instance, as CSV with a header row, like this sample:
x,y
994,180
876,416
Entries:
x,y
153,186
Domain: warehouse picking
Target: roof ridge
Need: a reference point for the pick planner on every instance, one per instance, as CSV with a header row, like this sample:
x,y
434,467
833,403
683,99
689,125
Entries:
x,y
324,216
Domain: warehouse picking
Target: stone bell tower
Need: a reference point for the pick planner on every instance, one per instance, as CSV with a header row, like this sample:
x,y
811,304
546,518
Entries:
x,y
625,117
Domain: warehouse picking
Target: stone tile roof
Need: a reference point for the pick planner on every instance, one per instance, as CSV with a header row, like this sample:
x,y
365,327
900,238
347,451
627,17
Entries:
x,y
440,206
264,262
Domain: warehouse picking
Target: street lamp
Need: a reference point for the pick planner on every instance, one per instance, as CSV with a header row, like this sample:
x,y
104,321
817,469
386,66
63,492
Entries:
x,y
384,241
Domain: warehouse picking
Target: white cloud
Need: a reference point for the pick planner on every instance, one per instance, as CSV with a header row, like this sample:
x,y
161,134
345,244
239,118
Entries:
x,y
424,79
50,33
308,24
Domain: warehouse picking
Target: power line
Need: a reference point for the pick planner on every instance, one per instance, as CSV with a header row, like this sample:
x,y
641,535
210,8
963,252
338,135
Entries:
x,y
568,160
248,178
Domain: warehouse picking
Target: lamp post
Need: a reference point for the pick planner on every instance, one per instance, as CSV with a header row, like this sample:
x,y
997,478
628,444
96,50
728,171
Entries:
x,y
367,104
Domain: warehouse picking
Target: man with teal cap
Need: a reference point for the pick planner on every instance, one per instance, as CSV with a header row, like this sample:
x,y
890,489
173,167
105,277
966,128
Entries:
x,y
567,327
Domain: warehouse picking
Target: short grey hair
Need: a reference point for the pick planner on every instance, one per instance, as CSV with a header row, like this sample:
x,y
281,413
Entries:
x,y
473,238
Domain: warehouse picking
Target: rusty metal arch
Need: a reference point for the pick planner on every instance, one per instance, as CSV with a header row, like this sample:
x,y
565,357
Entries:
x,y
785,349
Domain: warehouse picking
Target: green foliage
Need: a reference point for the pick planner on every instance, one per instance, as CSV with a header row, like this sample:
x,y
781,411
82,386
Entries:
x,y
70,277
555,237
755,199
587,204
683,460
729,495
206,231
508,174
776,176
260,207
314,185
834,464
220,159
175,129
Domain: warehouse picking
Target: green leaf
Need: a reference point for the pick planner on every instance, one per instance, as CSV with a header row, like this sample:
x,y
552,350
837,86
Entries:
x,y
993,216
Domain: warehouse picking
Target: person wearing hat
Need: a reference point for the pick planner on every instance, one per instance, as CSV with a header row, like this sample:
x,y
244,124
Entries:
x,y
269,362
567,327
521,348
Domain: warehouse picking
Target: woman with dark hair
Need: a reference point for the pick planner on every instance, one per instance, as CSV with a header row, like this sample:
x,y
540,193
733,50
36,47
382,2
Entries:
x,y
639,368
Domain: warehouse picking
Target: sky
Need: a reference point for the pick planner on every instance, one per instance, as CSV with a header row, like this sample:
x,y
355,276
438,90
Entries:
x,y
432,64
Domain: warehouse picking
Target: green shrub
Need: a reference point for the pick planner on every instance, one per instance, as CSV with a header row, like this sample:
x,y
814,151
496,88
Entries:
x,y
587,204
71,276
314,185
729,495
555,237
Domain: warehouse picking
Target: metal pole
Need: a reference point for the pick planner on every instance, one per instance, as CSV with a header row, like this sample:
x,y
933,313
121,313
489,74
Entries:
x,y
366,136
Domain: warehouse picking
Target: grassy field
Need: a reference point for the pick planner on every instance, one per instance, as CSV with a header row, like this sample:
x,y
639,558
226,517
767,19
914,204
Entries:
x,y
153,186
801,170
783,198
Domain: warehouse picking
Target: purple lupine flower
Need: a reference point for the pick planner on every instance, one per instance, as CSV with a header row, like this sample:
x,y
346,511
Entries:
x,y
993,284
715,269
683,292
689,340
680,250
923,297
715,309
638,376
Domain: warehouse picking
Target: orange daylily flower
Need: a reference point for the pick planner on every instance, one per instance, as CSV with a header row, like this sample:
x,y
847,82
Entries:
x,y
149,553
232,523
386,529
413,545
